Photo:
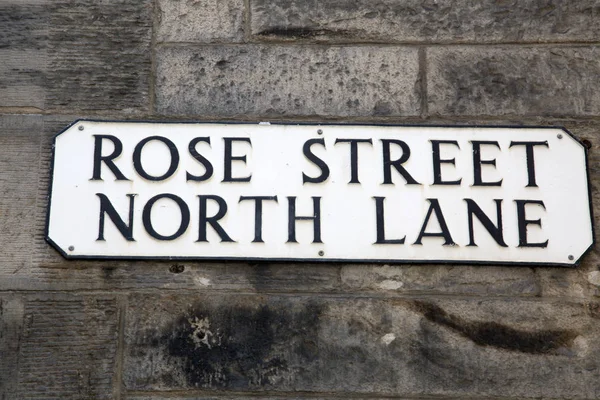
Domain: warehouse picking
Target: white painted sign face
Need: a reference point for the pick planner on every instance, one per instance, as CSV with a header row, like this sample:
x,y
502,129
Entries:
x,y
319,192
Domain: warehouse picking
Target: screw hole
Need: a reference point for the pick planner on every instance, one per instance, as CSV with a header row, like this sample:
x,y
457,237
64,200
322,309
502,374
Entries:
x,y
321,253
559,136
320,131
587,144
71,248
80,127
571,257
176,268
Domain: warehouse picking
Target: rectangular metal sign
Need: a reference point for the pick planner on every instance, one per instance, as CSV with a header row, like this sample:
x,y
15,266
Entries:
x,y
319,192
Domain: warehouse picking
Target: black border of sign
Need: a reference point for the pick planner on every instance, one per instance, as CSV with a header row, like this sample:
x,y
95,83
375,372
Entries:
x,y
320,260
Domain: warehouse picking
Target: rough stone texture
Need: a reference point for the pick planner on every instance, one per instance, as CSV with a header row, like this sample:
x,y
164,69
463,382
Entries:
x,y
426,21
295,396
470,347
524,81
11,326
19,170
23,35
200,20
58,347
467,280
81,55
99,54
226,81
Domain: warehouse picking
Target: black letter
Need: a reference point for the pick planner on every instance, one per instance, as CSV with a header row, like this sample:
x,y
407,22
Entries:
x,y
108,160
316,218
107,207
315,160
477,162
137,158
437,162
229,159
354,156
380,220
258,208
388,163
530,160
522,222
207,165
445,233
494,231
212,220
183,208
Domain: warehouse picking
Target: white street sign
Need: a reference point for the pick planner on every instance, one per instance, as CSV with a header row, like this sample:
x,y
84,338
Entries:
x,y
146,190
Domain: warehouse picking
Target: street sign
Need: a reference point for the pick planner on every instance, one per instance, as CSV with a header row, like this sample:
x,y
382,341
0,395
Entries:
x,y
355,193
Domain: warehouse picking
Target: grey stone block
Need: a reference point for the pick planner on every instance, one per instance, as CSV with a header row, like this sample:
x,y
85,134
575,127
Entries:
x,y
426,21
255,80
416,347
450,279
288,397
517,81
58,347
23,38
200,21
19,171
99,55
76,55
11,328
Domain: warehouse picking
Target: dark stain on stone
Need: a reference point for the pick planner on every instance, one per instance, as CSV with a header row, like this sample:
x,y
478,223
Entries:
x,y
497,335
242,346
221,64
177,268
108,272
382,108
304,33
594,309
489,80
262,277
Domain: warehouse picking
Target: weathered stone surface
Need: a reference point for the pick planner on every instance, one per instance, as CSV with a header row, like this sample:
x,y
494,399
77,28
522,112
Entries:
x,y
23,34
77,55
457,279
99,55
11,327
470,347
226,81
201,20
426,21
205,277
23,23
170,397
523,81
57,347
19,170
558,282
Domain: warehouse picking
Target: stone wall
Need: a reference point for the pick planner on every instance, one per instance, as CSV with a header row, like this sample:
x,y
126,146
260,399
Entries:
x,y
225,330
